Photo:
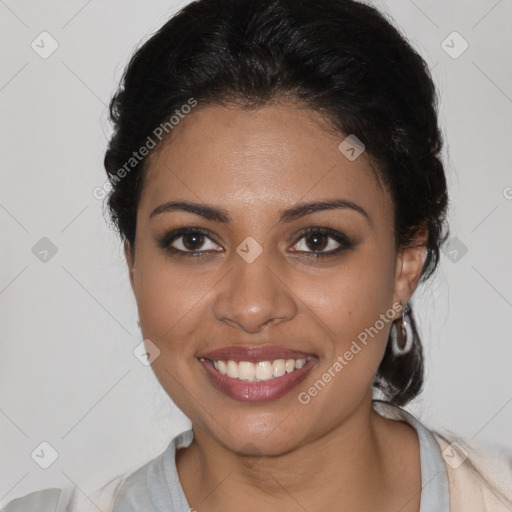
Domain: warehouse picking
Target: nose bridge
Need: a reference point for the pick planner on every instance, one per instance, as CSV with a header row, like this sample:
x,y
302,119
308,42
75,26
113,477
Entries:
x,y
252,296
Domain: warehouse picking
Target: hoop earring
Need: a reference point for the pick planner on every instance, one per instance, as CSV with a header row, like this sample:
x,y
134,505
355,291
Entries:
x,y
401,333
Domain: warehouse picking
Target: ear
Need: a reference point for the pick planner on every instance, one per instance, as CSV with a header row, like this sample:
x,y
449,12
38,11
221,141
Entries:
x,y
409,264
128,254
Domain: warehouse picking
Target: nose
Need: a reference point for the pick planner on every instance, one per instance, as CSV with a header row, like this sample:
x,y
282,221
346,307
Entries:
x,y
253,296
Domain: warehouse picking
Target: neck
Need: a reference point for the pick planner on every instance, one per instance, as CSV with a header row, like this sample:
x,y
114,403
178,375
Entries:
x,y
351,464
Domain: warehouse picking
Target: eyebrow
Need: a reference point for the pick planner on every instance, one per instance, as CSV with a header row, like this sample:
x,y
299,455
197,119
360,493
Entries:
x,y
221,215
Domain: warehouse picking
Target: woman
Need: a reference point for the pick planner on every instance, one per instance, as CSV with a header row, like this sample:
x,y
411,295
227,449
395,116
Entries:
x,y
277,184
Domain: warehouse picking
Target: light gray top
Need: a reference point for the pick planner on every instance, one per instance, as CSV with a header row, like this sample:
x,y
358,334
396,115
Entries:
x,y
155,487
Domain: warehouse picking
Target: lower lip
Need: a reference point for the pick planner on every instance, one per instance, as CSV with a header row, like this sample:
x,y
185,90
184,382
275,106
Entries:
x,y
257,391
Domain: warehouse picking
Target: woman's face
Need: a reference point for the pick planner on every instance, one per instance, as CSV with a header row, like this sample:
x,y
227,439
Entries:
x,y
266,273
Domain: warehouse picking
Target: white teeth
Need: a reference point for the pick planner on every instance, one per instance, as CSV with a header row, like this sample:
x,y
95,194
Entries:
x,y
232,370
278,367
299,363
262,370
222,367
245,370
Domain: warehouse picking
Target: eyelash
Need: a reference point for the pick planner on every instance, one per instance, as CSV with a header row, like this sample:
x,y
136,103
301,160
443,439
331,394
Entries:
x,y
345,243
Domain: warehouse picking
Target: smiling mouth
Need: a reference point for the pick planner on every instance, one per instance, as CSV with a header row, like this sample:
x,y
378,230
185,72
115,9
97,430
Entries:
x,y
258,371
260,378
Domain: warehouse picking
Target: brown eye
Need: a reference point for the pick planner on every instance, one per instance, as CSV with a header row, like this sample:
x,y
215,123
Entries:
x,y
193,241
188,241
319,242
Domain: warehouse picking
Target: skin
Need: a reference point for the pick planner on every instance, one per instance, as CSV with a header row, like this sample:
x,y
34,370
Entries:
x,y
275,455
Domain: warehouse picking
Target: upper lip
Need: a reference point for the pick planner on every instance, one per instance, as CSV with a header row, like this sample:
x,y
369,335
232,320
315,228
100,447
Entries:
x,y
254,353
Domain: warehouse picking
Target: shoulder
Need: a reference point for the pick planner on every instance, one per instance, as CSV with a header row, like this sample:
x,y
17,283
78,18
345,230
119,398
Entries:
x,y
479,474
68,499
45,500
155,485
138,489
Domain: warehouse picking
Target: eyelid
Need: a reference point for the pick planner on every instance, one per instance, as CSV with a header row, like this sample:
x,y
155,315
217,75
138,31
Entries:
x,y
344,243
343,240
169,237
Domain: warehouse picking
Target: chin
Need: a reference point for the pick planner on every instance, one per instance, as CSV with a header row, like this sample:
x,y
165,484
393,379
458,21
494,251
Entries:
x,y
259,434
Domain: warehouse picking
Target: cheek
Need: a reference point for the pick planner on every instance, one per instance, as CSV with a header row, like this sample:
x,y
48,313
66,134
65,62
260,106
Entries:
x,y
171,305
351,304
353,296
170,301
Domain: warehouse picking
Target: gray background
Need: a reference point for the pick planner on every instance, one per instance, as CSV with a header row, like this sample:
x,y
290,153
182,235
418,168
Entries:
x,y
68,374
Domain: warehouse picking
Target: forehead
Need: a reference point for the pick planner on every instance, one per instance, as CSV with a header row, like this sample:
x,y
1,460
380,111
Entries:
x,y
274,155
